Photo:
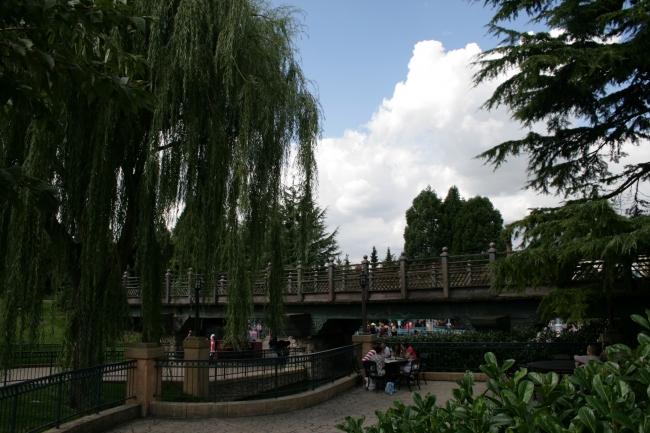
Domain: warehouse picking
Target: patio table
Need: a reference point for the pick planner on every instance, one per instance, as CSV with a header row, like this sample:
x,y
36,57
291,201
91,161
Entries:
x,y
560,366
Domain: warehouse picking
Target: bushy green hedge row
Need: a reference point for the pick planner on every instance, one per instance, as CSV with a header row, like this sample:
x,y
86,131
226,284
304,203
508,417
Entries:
x,y
610,397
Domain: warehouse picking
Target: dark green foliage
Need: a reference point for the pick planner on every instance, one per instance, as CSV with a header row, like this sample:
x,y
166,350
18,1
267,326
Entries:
x,y
234,113
389,260
602,397
476,226
452,207
374,258
589,84
576,236
421,235
464,227
305,232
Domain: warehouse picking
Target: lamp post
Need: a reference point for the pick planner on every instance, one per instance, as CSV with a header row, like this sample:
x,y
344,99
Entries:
x,y
363,282
197,289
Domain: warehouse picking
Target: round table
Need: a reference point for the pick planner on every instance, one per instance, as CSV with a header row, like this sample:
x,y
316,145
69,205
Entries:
x,y
560,366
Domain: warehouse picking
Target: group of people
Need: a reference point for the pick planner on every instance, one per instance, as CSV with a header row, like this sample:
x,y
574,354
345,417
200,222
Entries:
x,y
380,353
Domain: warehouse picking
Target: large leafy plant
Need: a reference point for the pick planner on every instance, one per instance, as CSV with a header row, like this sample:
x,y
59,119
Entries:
x,y
609,397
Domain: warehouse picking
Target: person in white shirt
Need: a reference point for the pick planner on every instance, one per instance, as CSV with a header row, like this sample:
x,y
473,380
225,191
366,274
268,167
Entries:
x,y
590,356
385,350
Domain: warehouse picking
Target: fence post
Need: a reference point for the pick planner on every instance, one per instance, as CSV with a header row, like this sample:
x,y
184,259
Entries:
x,y
99,390
402,270
168,285
277,360
444,261
330,271
58,406
492,253
147,378
299,283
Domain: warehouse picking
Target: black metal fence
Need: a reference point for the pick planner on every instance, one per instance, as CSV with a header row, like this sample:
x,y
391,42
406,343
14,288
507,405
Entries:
x,y
469,356
252,378
36,405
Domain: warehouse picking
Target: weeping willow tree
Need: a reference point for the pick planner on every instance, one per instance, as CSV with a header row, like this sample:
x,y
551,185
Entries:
x,y
233,113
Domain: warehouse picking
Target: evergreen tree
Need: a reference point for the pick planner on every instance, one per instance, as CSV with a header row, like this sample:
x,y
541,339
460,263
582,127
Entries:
x,y
476,226
588,81
452,207
305,231
421,236
232,106
374,259
389,260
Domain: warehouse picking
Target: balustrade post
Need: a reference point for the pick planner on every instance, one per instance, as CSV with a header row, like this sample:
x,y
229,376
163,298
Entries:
x,y
469,272
492,253
125,280
299,282
402,271
190,274
330,272
168,285
444,261
267,288
222,283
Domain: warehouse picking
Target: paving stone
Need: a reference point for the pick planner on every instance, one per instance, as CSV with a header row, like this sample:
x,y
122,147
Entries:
x,y
356,402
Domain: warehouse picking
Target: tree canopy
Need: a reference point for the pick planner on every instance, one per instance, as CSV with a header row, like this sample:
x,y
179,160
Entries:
x,y
233,113
587,79
463,226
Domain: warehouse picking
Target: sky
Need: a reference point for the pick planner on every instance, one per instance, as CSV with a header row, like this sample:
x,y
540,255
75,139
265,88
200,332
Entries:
x,y
400,112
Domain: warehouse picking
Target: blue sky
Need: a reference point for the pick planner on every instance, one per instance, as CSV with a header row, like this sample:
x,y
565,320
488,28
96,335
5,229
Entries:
x,y
395,83
357,50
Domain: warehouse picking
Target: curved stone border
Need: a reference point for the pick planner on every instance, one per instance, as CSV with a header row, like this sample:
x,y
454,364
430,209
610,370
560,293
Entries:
x,y
251,408
100,422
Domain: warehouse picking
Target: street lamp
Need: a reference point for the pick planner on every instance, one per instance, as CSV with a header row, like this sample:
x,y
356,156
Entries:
x,y
197,289
363,281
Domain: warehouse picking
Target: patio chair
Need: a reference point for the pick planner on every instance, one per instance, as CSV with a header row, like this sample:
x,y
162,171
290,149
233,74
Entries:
x,y
370,368
413,375
355,367
424,357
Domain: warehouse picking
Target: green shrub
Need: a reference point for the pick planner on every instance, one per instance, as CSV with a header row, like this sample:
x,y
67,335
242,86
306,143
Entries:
x,y
610,397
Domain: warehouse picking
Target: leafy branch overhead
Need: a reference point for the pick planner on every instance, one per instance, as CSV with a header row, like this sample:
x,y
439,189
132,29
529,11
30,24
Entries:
x,y
44,43
587,79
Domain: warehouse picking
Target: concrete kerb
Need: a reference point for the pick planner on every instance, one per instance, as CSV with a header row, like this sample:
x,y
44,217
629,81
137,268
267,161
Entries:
x,y
101,422
252,408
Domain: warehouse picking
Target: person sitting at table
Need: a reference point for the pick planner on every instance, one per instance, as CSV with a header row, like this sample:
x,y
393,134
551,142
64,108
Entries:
x,y
379,359
409,354
385,350
396,351
590,356
370,353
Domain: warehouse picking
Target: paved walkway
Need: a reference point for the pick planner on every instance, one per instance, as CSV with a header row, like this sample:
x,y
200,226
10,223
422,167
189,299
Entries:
x,y
322,418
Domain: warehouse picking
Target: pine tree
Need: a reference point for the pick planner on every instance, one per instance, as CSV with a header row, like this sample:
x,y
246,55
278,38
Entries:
x,y
477,225
421,235
374,259
389,260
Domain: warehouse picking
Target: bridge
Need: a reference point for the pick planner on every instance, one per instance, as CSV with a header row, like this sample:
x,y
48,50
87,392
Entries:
x,y
326,299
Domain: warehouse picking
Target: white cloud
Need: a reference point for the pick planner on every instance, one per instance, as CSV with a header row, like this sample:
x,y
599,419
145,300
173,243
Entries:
x,y
427,133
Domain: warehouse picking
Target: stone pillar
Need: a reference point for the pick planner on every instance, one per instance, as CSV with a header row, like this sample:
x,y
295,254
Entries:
x,y
367,341
330,278
444,262
196,374
299,282
146,378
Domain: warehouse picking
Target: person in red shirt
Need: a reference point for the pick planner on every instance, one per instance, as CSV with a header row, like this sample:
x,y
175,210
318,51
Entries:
x,y
213,346
409,354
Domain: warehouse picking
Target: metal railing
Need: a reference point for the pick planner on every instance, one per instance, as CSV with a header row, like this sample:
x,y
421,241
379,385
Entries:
x,y
36,405
25,366
252,378
460,357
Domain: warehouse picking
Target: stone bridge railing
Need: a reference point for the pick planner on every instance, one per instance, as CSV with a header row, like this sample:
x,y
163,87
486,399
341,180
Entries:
x,y
334,281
